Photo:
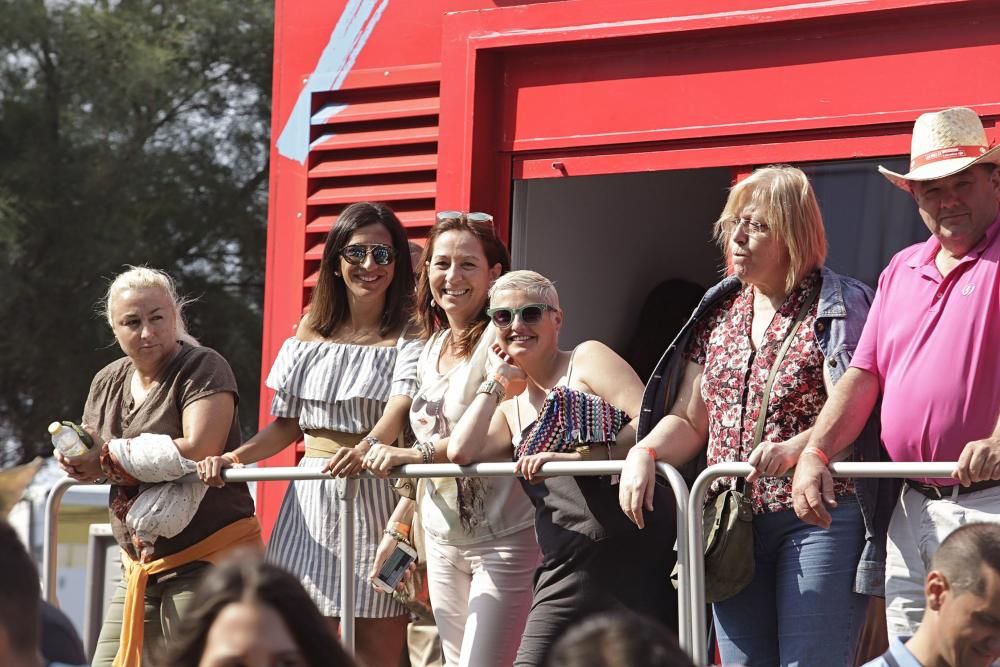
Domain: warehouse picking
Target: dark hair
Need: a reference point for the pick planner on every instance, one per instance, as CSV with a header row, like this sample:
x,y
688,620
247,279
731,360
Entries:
x,y
328,307
618,639
20,600
429,316
963,553
245,579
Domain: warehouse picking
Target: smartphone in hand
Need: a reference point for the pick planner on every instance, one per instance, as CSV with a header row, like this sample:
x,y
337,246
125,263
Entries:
x,y
394,568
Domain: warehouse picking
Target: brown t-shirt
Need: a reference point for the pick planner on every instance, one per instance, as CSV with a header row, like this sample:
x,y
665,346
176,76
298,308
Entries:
x,y
196,372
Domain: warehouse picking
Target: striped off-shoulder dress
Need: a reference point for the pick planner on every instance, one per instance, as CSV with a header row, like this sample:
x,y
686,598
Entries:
x,y
341,387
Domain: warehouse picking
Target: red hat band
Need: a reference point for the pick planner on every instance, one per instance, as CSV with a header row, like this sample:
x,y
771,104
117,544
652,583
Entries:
x,y
949,153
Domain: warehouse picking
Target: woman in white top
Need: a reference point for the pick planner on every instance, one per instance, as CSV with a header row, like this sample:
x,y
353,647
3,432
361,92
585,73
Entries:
x,y
480,542
345,382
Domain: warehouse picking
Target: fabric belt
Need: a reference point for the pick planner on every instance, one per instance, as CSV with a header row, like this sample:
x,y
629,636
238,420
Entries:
x,y
322,443
941,492
240,533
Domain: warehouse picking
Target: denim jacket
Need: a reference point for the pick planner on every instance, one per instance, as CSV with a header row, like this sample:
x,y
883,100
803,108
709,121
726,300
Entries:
x,y
840,317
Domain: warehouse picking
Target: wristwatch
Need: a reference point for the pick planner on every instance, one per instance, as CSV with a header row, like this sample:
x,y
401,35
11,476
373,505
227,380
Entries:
x,y
584,452
493,387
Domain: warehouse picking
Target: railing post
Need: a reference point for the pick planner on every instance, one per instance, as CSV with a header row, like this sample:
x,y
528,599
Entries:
x,y
696,546
696,534
50,546
685,636
348,493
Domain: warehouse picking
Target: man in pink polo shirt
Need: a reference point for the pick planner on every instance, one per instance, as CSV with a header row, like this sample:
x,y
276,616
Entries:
x,y
931,350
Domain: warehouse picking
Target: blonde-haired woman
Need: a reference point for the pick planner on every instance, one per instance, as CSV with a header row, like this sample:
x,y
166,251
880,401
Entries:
x,y
781,308
167,403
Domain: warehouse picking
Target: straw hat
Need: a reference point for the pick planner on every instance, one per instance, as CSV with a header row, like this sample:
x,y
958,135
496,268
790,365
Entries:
x,y
944,143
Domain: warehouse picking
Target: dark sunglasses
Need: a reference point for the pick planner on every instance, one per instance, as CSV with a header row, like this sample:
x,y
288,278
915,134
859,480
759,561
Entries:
x,y
530,314
446,216
357,253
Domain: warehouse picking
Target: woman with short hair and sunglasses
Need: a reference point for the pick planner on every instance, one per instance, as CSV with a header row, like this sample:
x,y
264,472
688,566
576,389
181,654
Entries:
x,y
479,537
545,404
344,382
785,322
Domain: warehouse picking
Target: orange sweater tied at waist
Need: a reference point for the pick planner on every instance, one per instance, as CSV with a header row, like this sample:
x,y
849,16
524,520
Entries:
x,y
242,533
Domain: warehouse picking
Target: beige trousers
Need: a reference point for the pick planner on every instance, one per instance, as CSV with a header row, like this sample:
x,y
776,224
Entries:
x,y
165,605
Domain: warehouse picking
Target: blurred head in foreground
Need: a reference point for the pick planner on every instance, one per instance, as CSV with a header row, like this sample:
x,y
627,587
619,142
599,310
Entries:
x,y
253,614
618,639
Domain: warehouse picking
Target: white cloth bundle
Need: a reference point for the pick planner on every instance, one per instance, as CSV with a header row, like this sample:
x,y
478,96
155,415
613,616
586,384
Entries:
x,y
164,507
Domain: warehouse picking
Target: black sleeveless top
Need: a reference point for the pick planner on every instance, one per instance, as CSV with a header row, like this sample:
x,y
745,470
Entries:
x,y
572,513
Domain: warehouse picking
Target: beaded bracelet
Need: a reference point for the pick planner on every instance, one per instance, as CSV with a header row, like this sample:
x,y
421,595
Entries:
x,y
427,451
396,535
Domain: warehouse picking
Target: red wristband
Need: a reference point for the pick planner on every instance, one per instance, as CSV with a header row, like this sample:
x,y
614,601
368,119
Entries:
x,y
819,453
649,450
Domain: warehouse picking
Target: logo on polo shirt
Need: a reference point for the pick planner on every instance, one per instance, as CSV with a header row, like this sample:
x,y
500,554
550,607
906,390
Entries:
x,y
967,290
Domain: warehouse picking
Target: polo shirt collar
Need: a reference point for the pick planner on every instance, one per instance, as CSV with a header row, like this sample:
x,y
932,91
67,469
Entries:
x,y
926,253
902,654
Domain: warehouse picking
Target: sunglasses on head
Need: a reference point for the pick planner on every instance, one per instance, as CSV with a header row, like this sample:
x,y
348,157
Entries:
x,y
356,253
446,216
529,314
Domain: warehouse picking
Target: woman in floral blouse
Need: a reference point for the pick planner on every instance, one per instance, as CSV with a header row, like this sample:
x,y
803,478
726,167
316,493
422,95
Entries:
x,y
806,602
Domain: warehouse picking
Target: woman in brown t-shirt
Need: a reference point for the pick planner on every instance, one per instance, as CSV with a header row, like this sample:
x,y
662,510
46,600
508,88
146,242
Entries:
x,y
166,391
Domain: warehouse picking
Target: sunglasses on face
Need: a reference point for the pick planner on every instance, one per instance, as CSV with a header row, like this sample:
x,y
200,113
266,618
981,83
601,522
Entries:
x,y
446,216
529,314
357,253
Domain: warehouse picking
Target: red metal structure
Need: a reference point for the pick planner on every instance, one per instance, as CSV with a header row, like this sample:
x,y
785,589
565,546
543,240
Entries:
x,y
524,109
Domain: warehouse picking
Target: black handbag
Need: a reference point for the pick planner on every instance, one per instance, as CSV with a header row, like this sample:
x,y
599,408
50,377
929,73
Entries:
x,y
728,521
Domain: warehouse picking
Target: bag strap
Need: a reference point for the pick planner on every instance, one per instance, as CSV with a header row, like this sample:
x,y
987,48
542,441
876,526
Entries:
x,y
758,431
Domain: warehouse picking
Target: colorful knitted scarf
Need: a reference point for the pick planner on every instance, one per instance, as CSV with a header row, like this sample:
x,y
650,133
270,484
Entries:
x,y
569,418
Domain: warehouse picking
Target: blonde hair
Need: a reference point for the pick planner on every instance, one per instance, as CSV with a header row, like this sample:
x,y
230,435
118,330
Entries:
x,y
529,282
143,277
781,196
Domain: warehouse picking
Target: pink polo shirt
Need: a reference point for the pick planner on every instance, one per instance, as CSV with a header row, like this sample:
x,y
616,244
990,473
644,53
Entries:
x,y
934,343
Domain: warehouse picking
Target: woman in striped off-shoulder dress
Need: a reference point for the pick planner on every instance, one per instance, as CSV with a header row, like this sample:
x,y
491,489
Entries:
x,y
344,382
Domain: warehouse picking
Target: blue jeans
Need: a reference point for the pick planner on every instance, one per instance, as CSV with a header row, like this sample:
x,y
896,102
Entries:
x,y
800,608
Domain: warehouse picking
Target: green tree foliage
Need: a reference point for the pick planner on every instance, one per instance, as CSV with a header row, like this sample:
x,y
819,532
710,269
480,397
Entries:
x,y
131,132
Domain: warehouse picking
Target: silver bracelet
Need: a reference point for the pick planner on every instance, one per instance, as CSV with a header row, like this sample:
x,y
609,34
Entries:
x,y
427,451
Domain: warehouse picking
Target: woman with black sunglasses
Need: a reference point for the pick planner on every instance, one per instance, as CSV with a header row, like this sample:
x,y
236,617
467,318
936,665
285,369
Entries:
x,y
544,404
345,382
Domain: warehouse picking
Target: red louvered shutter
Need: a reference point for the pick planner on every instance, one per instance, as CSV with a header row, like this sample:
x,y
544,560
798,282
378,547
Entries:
x,y
372,143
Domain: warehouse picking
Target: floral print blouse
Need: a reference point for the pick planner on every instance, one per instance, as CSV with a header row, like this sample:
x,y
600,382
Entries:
x,y
734,378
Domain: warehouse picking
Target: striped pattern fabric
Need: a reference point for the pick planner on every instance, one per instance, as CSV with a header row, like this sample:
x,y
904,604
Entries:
x,y
340,387
306,541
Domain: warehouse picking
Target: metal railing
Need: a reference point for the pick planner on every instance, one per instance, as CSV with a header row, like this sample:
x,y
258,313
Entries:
x,y
349,490
696,533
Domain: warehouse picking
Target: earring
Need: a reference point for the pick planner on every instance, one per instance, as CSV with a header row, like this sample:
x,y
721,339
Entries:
x,y
336,273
